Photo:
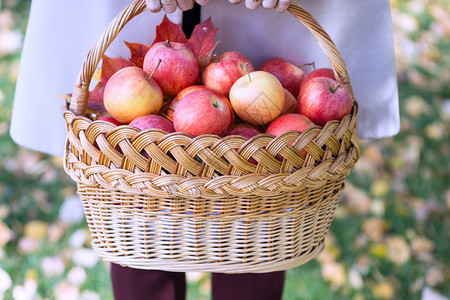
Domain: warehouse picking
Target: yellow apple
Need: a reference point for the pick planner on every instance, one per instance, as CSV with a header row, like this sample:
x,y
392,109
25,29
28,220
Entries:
x,y
129,94
257,97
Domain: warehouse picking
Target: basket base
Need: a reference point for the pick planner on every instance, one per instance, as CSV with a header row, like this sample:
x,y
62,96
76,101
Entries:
x,y
216,267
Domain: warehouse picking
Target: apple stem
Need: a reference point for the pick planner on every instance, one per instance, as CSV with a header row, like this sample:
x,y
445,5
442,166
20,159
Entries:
x,y
168,42
313,64
248,73
157,66
335,88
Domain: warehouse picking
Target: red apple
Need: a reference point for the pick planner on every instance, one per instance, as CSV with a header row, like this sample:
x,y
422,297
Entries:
x,y
246,130
129,94
224,70
288,74
194,88
323,99
153,121
202,112
290,103
322,72
257,97
179,66
110,120
289,122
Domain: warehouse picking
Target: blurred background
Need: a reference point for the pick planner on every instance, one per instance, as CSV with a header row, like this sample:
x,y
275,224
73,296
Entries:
x,y
390,236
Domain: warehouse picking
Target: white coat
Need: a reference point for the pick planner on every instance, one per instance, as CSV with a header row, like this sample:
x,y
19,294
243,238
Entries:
x,y
60,33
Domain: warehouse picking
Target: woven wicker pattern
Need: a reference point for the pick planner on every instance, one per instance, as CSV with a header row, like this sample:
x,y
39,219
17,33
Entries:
x,y
173,202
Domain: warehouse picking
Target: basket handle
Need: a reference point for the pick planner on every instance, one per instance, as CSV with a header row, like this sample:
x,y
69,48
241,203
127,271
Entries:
x,y
78,103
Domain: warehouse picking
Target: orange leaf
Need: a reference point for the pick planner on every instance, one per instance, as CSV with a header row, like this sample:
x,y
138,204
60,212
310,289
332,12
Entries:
x,y
138,52
111,66
170,31
202,41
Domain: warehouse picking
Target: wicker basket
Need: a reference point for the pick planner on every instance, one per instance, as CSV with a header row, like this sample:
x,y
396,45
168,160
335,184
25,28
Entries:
x,y
197,204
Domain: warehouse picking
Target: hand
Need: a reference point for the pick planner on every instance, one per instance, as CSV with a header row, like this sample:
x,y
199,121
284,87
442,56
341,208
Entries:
x,y
279,5
169,6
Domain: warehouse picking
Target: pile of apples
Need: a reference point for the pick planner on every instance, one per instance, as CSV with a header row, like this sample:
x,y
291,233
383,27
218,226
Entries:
x,y
226,97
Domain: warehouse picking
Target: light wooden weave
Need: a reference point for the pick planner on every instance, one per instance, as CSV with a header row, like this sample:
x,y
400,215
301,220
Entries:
x,y
173,202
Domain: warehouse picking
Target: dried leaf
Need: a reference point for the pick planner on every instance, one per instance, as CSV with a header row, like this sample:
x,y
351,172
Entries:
x,y
111,66
380,187
77,276
383,290
434,276
422,248
5,234
374,229
378,250
85,257
26,291
66,291
169,31
355,279
138,52
52,266
28,245
36,230
398,250
334,273
356,200
5,281
202,41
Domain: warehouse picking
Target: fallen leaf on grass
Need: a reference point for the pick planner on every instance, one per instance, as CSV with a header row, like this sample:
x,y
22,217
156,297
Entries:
x,y
5,209
374,229
380,187
422,248
25,291
55,232
28,245
355,279
434,276
334,273
5,281
36,230
383,290
416,105
378,250
66,291
76,276
5,234
52,266
356,200
85,257
398,250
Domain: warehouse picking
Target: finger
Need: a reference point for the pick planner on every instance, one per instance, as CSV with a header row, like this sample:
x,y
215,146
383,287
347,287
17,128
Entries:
x,y
153,5
169,6
252,4
282,6
269,3
185,4
202,2
235,1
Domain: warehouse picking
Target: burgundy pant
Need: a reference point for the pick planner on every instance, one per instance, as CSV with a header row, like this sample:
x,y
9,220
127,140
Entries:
x,y
136,284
